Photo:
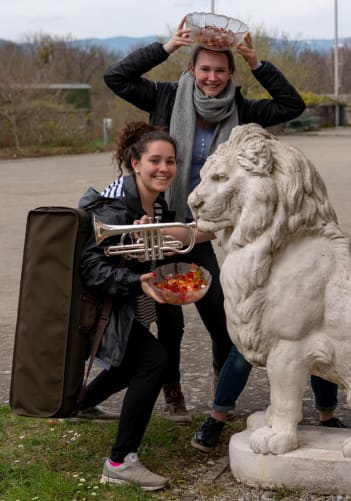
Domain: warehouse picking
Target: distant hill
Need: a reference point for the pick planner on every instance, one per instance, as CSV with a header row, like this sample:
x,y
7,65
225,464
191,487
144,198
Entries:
x,y
125,44
117,44
114,44
5,42
321,44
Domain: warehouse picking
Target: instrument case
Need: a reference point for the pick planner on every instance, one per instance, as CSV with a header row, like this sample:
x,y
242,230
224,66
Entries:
x,y
55,316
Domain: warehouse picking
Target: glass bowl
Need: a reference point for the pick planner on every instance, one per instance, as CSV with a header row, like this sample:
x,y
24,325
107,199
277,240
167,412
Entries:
x,y
214,31
181,283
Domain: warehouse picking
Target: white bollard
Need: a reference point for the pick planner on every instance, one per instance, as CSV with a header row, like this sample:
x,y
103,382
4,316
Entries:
x,y
106,126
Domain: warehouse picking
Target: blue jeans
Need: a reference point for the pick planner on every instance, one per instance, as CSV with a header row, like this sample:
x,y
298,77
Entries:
x,y
235,373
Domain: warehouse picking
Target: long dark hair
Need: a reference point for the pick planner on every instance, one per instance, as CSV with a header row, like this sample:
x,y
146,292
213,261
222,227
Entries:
x,y
132,142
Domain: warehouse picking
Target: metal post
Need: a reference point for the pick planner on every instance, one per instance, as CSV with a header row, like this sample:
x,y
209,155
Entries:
x,y
336,66
212,6
106,126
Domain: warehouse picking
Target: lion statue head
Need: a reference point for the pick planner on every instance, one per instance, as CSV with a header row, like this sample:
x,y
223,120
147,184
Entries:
x,y
254,183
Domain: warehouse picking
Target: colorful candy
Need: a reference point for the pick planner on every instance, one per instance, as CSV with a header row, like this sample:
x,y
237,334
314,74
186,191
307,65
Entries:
x,y
182,288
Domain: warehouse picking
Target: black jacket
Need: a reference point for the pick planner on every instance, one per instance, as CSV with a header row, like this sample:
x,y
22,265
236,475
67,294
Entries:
x,y
113,275
157,98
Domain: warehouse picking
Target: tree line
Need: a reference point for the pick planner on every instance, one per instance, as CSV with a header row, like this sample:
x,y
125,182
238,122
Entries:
x,y
35,112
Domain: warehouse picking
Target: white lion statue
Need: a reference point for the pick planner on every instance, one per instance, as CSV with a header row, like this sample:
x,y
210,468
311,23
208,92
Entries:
x,y
286,274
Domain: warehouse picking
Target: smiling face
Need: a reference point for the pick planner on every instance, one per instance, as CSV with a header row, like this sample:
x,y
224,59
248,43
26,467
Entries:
x,y
211,72
156,168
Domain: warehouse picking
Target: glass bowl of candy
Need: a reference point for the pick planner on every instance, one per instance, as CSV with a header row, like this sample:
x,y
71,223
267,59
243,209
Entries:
x,y
214,31
181,283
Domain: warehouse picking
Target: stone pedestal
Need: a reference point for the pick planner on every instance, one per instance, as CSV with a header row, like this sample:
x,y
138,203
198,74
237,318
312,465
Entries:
x,y
317,465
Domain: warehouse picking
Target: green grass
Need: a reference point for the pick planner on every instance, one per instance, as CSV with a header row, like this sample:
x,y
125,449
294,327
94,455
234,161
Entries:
x,y
285,493
56,460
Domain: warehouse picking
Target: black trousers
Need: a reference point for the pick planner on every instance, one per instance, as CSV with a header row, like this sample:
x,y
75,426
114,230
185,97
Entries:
x,y
170,320
141,372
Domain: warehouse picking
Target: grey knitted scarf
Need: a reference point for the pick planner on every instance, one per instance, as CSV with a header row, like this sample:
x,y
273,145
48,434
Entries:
x,y
189,101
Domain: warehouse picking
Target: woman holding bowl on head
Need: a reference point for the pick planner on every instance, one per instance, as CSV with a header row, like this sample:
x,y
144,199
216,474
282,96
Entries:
x,y
200,111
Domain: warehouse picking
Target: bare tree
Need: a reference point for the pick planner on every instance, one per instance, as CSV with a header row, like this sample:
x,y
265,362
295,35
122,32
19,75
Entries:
x,y
14,71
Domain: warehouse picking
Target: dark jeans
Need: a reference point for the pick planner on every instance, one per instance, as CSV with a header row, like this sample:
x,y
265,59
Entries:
x,y
141,371
235,373
170,320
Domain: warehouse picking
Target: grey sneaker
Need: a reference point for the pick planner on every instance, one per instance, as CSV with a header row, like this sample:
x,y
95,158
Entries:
x,y
175,409
94,414
132,472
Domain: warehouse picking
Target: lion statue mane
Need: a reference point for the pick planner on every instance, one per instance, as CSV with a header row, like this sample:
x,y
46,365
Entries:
x,y
286,273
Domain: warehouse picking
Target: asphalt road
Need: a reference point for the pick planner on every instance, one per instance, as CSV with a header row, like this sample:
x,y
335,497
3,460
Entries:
x,y
29,183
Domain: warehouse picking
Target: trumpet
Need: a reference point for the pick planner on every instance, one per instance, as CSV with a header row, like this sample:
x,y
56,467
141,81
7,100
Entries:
x,y
151,245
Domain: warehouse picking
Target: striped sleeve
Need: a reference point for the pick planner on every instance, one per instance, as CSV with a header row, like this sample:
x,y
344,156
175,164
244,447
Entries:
x,y
114,190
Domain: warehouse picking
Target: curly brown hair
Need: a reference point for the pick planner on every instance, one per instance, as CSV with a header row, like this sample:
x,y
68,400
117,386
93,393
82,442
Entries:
x,y
132,142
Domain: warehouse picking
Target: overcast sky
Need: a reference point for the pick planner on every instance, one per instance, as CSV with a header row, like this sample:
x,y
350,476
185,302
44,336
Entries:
x,y
110,18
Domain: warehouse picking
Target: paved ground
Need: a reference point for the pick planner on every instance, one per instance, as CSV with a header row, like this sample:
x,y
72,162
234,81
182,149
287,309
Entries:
x,y
30,183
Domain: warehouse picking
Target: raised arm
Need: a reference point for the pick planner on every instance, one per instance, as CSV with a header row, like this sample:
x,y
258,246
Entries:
x,y
285,104
179,39
125,77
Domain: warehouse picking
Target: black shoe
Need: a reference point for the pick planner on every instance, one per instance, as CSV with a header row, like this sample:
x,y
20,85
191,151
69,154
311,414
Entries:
x,y
208,435
333,422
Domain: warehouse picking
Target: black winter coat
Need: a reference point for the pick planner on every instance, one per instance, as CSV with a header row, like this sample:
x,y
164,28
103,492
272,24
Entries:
x,y
113,275
157,98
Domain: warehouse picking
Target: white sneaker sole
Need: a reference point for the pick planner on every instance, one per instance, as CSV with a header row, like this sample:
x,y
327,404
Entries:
x,y
109,480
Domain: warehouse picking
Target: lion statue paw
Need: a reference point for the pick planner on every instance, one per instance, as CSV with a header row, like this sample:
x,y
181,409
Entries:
x,y
266,441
